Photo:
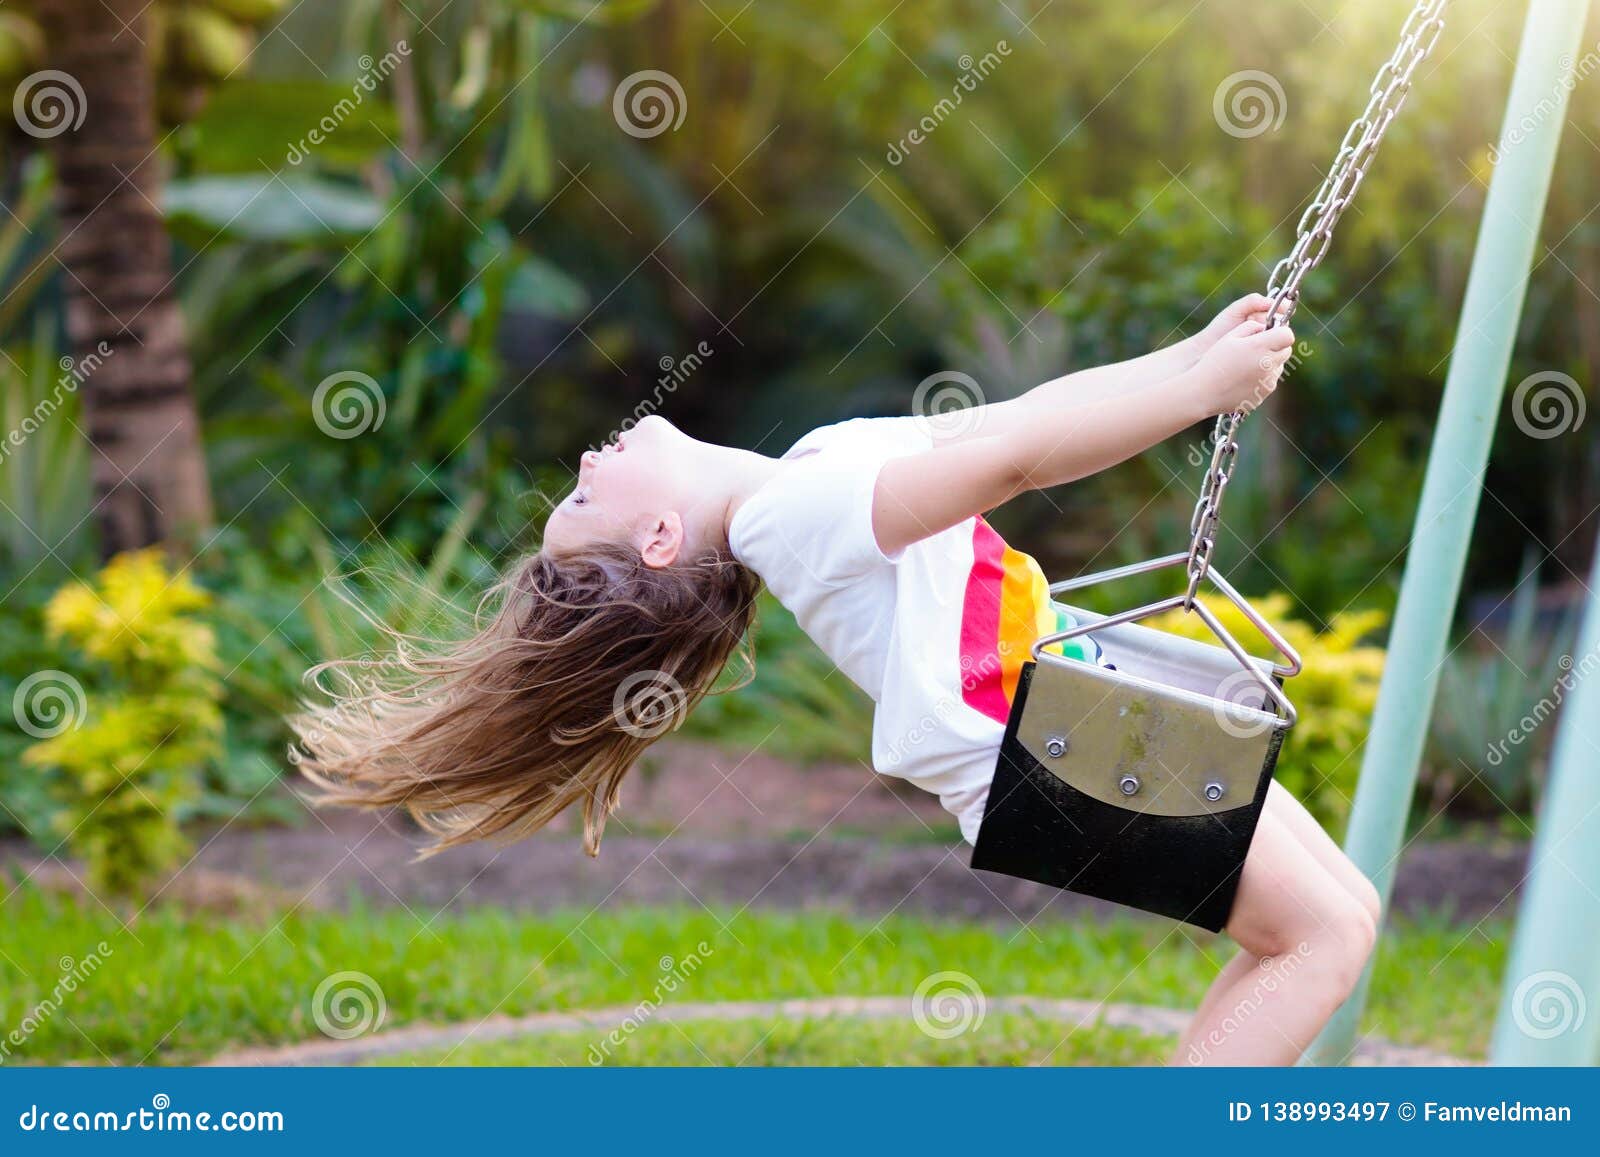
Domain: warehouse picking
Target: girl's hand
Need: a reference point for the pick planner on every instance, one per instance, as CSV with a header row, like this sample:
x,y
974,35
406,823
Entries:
x,y
1253,307
1241,369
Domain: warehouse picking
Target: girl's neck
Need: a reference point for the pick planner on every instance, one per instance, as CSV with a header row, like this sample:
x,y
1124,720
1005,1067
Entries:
x,y
729,477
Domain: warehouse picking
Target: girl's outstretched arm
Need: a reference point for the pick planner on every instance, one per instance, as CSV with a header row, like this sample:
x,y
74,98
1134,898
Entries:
x,y
1047,443
1085,387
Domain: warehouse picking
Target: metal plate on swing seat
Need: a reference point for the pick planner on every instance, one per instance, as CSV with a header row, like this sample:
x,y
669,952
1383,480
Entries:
x,y
1137,745
1117,786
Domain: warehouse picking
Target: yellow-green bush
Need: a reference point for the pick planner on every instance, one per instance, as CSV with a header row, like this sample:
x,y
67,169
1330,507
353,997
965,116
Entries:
x,y
1335,695
122,773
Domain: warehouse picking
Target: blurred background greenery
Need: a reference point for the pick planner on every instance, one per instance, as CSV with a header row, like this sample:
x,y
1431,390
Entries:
x,y
479,235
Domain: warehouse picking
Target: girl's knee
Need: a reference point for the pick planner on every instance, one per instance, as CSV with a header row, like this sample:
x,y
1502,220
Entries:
x,y
1343,943
1367,894
1293,907
1333,941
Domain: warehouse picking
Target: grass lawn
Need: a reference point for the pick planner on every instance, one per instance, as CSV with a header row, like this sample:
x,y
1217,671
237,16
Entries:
x,y
1009,1039
178,987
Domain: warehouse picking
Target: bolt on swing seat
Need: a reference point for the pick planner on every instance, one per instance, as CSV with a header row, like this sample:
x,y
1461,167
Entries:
x,y
1142,781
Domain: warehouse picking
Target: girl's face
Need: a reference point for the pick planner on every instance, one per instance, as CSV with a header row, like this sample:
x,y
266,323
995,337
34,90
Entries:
x,y
627,491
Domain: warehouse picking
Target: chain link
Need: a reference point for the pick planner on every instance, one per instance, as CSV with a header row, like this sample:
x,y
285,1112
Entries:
x,y
1314,235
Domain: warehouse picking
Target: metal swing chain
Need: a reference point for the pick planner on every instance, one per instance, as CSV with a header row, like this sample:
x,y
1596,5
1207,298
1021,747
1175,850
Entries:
x,y
1314,236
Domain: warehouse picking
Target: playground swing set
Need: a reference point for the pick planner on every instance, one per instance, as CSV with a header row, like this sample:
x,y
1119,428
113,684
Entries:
x,y
1151,771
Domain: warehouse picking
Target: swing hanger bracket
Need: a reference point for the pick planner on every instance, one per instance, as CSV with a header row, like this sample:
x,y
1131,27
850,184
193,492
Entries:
x,y
1288,666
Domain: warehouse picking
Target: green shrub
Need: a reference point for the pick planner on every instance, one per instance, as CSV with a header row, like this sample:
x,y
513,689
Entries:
x,y
137,722
1335,695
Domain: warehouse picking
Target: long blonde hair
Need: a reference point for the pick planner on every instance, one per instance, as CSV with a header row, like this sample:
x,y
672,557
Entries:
x,y
577,665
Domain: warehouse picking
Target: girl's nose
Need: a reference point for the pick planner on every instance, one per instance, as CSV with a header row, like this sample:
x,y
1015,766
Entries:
x,y
590,457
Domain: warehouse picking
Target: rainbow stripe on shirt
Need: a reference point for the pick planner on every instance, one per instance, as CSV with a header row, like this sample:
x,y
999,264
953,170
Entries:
x,y
1007,606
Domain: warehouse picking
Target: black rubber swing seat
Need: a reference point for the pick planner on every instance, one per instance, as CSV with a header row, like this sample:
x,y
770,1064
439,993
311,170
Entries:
x,y
1140,783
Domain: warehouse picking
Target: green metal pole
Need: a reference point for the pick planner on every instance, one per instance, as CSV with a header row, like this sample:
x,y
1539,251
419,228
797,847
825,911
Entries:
x,y
1550,1008
1507,240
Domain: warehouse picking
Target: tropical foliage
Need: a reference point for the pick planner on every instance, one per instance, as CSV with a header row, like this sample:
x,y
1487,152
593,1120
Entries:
x,y
422,256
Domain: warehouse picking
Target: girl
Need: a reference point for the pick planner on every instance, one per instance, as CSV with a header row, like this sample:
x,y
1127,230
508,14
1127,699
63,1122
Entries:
x,y
870,532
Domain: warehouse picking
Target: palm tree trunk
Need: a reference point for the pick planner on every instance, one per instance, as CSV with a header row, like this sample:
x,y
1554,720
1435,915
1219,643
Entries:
x,y
148,472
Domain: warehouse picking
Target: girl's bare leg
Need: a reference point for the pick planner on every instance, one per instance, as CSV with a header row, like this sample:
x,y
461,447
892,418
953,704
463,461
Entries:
x,y
1243,964
1306,929
1316,841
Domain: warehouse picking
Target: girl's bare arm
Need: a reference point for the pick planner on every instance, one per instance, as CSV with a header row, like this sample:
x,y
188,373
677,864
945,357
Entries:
x,y
1047,444
1085,387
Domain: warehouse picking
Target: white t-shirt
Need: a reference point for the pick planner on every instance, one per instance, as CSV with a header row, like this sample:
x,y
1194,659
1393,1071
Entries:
x,y
937,635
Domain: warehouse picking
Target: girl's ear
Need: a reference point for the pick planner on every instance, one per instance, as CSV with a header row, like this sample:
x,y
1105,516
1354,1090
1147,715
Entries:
x,y
662,542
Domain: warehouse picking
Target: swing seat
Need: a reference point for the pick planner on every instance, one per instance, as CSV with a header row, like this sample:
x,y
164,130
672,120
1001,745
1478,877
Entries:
x,y
1139,782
